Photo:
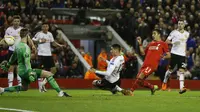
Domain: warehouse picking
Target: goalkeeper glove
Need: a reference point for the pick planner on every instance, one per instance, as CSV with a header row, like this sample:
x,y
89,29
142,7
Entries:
x,y
5,65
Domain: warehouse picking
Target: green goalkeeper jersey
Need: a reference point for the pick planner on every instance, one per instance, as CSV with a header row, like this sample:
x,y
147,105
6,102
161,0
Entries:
x,y
22,54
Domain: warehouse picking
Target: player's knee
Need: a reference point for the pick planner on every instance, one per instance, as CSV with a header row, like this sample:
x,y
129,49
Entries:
x,y
141,76
53,70
11,69
94,83
46,74
181,70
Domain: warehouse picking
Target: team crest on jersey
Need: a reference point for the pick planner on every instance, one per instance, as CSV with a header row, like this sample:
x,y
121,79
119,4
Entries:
x,y
26,55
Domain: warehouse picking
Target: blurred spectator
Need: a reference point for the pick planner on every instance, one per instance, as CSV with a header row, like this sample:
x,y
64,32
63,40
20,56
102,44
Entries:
x,y
58,4
30,8
196,68
130,66
101,64
11,10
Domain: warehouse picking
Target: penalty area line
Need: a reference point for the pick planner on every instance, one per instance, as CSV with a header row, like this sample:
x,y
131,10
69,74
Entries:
x,y
16,110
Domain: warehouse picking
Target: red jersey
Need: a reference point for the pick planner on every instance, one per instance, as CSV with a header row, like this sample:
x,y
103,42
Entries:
x,y
154,52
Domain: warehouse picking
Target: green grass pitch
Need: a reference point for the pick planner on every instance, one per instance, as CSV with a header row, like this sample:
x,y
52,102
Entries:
x,y
102,101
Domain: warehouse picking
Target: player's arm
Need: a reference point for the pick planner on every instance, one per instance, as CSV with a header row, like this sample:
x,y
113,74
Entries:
x,y
13,58
101,58
166,51
108,71
27,60
32,45
54,43
37,40
167,56
170,37
2,42
57,44
140,46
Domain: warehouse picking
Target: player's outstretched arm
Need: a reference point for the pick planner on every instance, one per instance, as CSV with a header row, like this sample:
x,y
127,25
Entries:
x,y
167,56
32,45
140,45
13,58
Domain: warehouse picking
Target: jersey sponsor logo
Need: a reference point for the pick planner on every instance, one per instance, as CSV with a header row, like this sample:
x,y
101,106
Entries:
x,y
112,63
153,48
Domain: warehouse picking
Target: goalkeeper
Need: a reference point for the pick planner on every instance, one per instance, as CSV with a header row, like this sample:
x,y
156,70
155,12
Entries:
x,y
22,54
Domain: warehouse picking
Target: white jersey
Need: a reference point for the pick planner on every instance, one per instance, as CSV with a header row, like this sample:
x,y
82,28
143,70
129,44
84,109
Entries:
x,y
15,33
178,40
112,74
44,49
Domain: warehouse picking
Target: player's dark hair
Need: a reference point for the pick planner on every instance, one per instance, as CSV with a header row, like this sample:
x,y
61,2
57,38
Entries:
x,y
181,18
158,31
45,23
16,17
23,32
116,46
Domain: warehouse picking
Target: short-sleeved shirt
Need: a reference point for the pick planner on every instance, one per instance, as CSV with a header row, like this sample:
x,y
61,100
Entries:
x,y
153,52
44,49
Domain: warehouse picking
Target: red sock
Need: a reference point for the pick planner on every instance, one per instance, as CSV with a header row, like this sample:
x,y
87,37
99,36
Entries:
x,y
135,85
147,85
142,83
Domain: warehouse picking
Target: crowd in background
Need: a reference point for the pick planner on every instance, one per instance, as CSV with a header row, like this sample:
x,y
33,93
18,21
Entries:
x,y
138,18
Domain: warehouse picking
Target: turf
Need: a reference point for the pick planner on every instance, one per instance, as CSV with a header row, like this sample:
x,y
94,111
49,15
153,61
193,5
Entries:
x,y
102,101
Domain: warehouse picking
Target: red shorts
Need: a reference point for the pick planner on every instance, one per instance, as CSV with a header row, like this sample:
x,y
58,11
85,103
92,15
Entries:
x,y
146,70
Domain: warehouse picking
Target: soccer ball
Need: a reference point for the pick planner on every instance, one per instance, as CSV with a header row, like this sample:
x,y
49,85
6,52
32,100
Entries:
x,y
10,40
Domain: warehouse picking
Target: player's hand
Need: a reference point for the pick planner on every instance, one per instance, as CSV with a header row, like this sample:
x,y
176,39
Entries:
x,y
92,70
34,50
43,40
176,43
139,39
62,46
102,59
4,65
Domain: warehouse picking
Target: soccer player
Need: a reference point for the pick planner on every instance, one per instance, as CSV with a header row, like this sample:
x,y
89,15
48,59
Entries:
x,y
178,39
111,79
22,54
154,52
14,31
44,39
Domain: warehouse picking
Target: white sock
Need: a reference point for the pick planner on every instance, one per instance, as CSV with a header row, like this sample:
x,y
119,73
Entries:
x,y
167,75
19,80
44,81
40,83
10,79
118,88
181,79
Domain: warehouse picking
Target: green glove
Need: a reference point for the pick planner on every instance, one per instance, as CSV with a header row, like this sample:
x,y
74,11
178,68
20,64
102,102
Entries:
x,y
5,65
32,76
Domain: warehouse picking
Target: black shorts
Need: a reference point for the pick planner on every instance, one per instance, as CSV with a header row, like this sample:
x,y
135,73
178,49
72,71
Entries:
x,y
177,60
10,53
105,85
46,62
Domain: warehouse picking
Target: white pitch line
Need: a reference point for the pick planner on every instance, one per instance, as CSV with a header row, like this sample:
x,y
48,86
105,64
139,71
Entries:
x,y
15,110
